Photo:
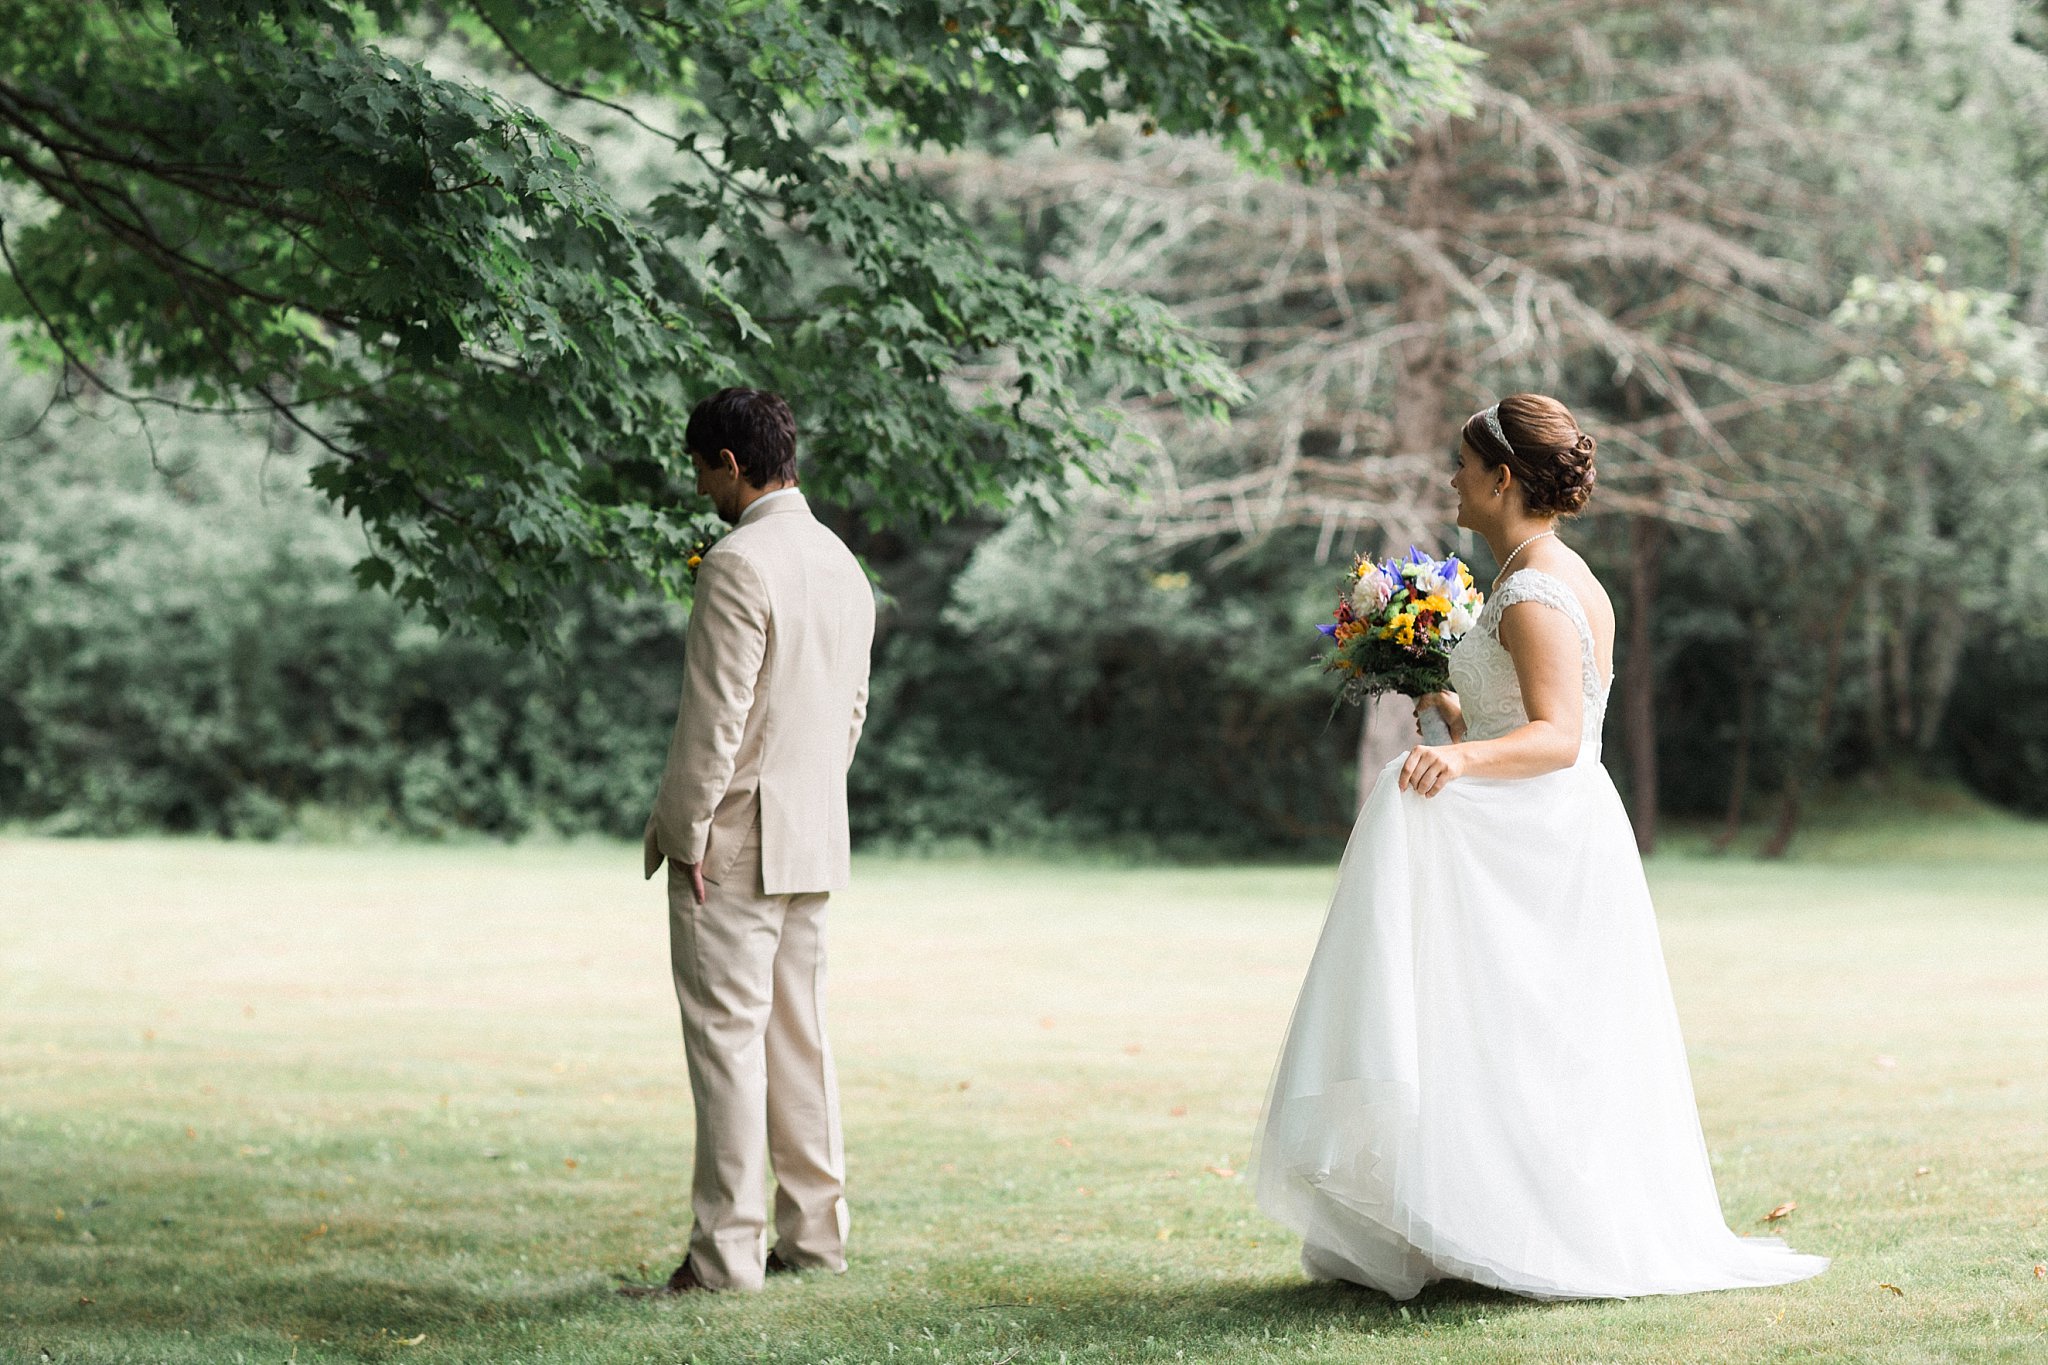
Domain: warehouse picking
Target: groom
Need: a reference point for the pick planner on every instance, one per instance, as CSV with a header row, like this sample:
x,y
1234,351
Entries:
x,y
751,816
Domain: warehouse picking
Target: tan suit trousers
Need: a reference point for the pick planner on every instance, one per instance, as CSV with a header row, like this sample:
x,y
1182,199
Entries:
x,y
750,977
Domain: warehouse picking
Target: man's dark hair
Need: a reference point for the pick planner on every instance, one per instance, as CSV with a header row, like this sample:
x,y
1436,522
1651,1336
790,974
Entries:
x,y
755,425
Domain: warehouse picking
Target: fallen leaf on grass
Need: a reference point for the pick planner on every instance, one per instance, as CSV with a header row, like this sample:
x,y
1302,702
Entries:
x,y
1132,1049
191,1134
1045,1022
1221,1172
570,1162
320,1231
1783,1210
1923,1170
1179,1111
1063,1142
412,1341
1887,1284
84,1302
2041,1272
1166,1234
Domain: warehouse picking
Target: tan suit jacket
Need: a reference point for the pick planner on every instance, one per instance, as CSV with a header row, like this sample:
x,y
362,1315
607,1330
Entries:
x,y
775,687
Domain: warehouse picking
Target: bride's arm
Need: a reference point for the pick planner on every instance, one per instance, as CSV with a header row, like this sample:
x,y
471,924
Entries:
x,y
1545,647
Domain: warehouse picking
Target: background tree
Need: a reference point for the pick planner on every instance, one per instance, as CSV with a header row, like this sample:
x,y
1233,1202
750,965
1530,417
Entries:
x,y
1847,591
1657,213
284,206
1618,217
1877,567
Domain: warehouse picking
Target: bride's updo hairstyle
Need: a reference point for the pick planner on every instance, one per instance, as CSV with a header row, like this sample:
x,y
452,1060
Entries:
x,y
1551,458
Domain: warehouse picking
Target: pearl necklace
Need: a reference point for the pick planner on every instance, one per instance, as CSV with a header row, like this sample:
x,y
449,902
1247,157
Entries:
x,y
1517,550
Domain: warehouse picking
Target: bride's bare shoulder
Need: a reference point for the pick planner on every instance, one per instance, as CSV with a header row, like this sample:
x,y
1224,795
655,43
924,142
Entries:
x,y
1566,565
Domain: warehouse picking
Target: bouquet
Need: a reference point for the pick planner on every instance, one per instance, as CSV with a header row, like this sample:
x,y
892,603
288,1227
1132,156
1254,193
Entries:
x,y
1395,624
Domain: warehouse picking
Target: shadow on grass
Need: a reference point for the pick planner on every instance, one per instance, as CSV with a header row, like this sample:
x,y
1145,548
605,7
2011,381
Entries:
x,y
1041,1311
1096,1310
1060,1310
156,1293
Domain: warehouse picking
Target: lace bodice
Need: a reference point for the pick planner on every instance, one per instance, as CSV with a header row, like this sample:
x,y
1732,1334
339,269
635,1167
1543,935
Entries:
x,y
1483,674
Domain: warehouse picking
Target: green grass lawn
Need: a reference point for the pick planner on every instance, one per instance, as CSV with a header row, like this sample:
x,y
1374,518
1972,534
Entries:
x,y
264,1103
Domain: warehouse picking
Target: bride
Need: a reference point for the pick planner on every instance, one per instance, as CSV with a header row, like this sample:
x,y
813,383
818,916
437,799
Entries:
x,y
1484,1078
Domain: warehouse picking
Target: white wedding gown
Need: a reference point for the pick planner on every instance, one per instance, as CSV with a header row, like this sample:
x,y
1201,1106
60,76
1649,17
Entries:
x,y
1484,1078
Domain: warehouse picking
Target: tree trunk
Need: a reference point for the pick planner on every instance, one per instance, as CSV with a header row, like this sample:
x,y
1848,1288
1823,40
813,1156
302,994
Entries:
x,y
1943,664
1426,367
1875,685
1639,682
1388,729
1789,805
1900,655
1745,736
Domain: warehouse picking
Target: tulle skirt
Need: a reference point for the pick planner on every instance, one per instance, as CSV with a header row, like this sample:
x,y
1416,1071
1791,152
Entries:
x,y
1484,1078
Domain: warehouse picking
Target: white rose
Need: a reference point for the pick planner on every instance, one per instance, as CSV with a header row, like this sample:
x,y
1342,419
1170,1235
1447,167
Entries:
x,y
1460,620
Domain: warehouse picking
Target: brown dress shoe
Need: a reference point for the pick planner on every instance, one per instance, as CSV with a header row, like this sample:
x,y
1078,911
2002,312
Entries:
x,y
684,1281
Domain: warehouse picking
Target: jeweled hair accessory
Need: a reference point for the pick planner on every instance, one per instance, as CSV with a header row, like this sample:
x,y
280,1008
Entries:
x,y
1492,419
